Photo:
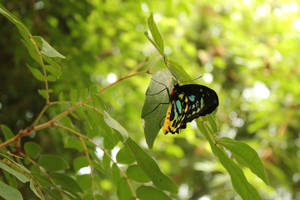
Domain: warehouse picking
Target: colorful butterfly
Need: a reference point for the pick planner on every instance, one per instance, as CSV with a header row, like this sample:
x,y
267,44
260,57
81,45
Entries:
x,y
188,102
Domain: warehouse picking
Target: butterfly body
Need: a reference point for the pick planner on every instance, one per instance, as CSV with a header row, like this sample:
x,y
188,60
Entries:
x,y
188,102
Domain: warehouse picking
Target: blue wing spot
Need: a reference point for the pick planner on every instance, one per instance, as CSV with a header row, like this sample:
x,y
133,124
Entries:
x,y
178,105
192,97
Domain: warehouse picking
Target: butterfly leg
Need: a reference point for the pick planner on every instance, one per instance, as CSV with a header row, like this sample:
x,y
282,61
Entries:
x,y
156,92
153,109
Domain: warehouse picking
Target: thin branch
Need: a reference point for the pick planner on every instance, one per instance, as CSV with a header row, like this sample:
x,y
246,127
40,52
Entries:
x,y
43,69
40,115
90,164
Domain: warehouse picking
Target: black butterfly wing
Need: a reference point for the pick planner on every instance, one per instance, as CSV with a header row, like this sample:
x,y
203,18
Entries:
x,y
201,101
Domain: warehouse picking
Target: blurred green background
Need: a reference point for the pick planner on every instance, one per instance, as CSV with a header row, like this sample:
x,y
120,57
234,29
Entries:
x,y
248,51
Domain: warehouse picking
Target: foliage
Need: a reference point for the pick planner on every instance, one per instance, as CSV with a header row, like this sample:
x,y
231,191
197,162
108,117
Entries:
x,y
81,134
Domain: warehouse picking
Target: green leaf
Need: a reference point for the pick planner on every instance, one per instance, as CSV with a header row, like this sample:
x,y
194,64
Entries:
x,y
246,154
123,190
125,156
21,27
212,122
115,125
115,174
178,72
84,181
150,193
66,182
43,92
14,172
238,179
53,162
46,48
159,43
8,134
51,78
72,142
32,149
8,192
135,173
149,166
36,73
53,66
33,189
154,112
80,162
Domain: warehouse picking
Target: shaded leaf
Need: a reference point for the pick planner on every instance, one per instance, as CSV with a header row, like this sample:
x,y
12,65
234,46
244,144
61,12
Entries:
x,y
125,156
43,92
123,190
115,174
9,193
53,162
36,73
66,182
134,172
150,193
32,149
149,166
80,162
54,70
84,181
8,134
153,111
244,152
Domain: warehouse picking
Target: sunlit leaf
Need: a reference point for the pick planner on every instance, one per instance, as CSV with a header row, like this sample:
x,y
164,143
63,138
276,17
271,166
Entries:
x,y
245,153
159,43
9,193
238,179
14,172
46,48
